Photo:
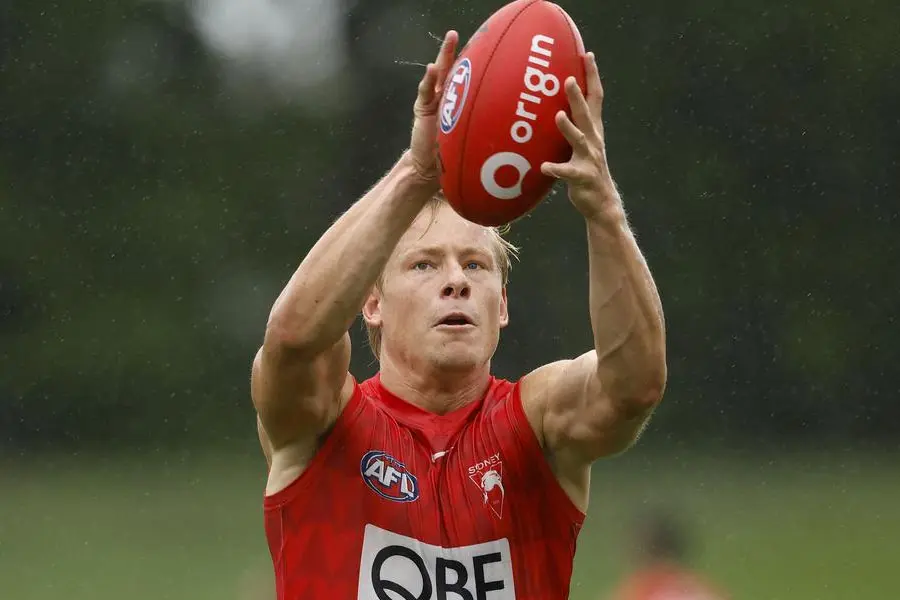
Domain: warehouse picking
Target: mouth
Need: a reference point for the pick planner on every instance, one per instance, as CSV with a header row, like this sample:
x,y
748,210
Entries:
x,y
456,320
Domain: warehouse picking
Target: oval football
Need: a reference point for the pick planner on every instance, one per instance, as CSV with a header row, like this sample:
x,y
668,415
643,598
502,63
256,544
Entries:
x,y
497,115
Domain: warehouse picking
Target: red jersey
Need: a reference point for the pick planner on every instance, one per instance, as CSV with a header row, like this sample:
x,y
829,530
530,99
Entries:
x,y
403,504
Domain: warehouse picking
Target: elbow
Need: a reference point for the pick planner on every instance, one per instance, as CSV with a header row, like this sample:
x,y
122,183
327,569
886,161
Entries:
x,y
301,335
281,329
639,402
648,375
653,368
638,390
284,333
652,385
655,380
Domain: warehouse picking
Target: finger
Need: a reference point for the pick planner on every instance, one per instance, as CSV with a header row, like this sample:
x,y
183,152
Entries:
x,y
581,112
594,85
445,59
563,171
447,53
427,86
576,138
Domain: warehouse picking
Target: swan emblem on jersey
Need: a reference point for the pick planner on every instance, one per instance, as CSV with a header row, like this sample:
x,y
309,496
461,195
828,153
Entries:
x,y
388,477
487,474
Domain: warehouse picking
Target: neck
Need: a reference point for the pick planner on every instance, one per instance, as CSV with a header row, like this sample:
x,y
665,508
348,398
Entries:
x,y
437,391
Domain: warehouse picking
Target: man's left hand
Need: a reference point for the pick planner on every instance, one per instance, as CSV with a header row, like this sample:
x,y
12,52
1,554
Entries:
x,y
591,188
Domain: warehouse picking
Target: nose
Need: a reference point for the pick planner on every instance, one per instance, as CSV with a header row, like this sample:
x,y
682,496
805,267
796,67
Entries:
x,y
457,285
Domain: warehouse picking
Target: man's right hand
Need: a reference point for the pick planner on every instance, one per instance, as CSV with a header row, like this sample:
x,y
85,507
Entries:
x,y
422,149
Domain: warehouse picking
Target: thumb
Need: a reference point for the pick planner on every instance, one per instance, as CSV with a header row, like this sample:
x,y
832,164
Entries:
x,y
557,170
426,92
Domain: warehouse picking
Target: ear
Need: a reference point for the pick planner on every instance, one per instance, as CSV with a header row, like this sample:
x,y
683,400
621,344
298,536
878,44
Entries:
x,y
371,310
504,312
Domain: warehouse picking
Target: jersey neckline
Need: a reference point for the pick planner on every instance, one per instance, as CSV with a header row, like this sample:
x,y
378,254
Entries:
x,y
420,418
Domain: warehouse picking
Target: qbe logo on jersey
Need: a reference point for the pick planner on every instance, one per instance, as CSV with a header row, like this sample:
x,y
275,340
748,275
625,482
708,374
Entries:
x,y
396,567
388,477
455,95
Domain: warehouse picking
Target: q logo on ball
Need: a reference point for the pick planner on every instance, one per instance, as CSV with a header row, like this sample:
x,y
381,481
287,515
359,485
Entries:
x,y
495,163
455,95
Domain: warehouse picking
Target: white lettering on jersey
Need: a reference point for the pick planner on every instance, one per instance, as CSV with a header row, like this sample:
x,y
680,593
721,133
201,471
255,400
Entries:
x,y
396,567
490,461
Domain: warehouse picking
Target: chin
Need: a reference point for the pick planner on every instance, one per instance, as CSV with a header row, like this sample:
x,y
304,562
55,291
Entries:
x,y
457,357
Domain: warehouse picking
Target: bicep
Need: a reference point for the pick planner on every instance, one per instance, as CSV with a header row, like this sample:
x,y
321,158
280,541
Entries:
x,y
577,418
296,396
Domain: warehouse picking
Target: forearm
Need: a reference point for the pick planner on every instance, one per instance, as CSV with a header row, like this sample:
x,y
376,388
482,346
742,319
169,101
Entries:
x,y
626,313
325,294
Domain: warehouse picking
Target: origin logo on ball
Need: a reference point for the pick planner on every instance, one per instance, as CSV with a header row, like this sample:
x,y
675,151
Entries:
x,y
455,95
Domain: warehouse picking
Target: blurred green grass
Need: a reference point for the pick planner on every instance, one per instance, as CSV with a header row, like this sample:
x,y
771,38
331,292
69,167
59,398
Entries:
x,y
816,526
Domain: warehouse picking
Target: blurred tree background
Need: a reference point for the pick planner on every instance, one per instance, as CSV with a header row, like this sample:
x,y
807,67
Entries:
x,y
165,165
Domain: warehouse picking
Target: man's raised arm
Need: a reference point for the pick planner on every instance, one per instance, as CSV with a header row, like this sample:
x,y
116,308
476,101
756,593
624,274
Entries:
x,y
596,404
300,372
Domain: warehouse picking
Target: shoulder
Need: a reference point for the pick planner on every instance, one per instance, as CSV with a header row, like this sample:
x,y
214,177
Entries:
x,y
361,401
500,388
369,387
533,390
508,396
502,395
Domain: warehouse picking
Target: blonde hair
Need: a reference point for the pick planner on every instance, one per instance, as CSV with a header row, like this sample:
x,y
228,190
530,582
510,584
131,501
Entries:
x,y
504,253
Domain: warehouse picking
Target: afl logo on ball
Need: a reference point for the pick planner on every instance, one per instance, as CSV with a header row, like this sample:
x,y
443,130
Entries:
x,y
388,477
457,88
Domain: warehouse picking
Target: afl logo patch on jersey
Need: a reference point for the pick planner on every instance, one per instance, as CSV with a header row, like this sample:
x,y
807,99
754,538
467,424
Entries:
x,y
455,95
388,477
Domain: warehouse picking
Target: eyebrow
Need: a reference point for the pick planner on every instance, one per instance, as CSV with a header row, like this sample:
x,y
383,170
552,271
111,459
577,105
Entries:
x,y
437,251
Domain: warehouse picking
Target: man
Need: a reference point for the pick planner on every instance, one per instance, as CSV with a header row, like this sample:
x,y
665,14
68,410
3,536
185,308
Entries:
x,y
661,570
435,479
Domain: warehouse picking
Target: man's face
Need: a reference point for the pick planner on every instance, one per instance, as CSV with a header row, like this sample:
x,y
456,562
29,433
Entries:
x,y
442,301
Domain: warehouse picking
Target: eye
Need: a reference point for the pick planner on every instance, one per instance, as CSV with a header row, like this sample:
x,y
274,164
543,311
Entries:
x,y
421,266
472,265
